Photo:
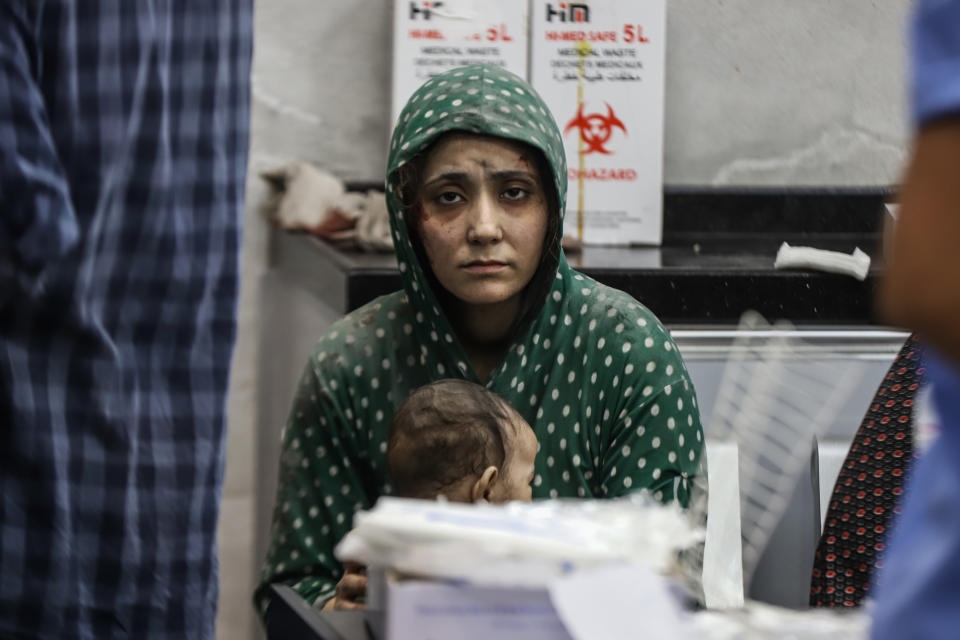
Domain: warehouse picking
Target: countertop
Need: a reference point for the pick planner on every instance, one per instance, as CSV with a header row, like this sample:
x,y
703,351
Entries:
x,y
716,260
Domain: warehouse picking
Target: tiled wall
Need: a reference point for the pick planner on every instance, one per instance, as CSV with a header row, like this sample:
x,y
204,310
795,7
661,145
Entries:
x,y
759,92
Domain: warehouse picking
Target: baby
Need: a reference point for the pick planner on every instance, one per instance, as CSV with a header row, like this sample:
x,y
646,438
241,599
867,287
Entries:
x,y
456,439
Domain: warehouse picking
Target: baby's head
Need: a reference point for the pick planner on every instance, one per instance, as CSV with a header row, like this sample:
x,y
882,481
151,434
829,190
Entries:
x,y
457,439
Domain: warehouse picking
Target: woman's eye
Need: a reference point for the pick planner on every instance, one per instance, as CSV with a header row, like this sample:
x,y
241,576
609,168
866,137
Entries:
x,y
514,193
449,197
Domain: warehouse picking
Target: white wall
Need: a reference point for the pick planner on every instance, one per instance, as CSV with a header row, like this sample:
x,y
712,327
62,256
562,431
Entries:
x,y
759,92
774,92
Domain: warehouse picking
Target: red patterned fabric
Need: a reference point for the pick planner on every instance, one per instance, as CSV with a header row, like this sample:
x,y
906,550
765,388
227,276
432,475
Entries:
x,y
868,488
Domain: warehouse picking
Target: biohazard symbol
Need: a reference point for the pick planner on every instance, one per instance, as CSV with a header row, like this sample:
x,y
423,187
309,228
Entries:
x,y
595,129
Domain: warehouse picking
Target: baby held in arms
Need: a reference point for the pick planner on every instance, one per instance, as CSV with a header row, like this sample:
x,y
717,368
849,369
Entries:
x,y
456,439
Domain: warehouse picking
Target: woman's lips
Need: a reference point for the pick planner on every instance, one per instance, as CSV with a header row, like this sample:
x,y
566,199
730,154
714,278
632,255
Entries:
x,y
485,267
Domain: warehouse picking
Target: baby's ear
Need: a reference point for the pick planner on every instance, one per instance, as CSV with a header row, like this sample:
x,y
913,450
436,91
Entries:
x,y
484,484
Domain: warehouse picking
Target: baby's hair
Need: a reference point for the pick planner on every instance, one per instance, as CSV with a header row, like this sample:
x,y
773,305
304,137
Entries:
x,y
444,432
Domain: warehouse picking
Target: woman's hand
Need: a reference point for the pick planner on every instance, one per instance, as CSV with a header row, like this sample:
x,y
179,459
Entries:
x,y
351,590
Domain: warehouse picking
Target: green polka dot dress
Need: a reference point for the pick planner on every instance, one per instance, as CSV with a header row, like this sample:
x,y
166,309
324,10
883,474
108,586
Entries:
x,y
594,372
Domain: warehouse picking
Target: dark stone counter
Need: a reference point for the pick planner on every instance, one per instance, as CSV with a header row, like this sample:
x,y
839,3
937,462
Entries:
x,y
716,260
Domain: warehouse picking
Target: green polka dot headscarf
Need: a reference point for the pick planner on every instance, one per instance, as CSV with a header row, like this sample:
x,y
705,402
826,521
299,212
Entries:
x,y
478,99
594,372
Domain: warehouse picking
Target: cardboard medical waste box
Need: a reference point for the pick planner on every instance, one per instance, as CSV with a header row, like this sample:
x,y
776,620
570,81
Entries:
x,y
434,36
600,67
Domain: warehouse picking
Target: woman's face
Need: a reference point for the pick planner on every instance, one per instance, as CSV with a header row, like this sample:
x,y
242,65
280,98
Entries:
x,y
483,217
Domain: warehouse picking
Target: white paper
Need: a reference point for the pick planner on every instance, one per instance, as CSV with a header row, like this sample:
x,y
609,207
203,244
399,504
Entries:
x,y
760,621
618,603
830,457
610,111
421,610
722,552
433,36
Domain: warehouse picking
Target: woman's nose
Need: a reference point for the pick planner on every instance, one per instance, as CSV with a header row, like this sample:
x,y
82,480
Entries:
x,y
484,226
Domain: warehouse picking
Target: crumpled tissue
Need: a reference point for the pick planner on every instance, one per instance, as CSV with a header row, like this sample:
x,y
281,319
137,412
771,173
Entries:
x,y
306,198
855,264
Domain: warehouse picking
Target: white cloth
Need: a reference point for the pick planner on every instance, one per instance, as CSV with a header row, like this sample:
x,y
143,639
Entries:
x,y
855,264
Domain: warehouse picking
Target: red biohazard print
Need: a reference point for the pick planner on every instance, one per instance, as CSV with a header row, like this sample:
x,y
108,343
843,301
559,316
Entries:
x,y
595,128
868,489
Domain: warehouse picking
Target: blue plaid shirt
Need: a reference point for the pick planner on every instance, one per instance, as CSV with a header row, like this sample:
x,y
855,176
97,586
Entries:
x,y
123,150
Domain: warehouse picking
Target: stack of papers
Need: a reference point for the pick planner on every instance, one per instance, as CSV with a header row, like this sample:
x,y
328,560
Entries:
x,y
518,544
551,570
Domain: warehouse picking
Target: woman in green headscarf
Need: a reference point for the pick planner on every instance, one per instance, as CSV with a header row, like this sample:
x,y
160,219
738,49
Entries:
x,y
476,182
